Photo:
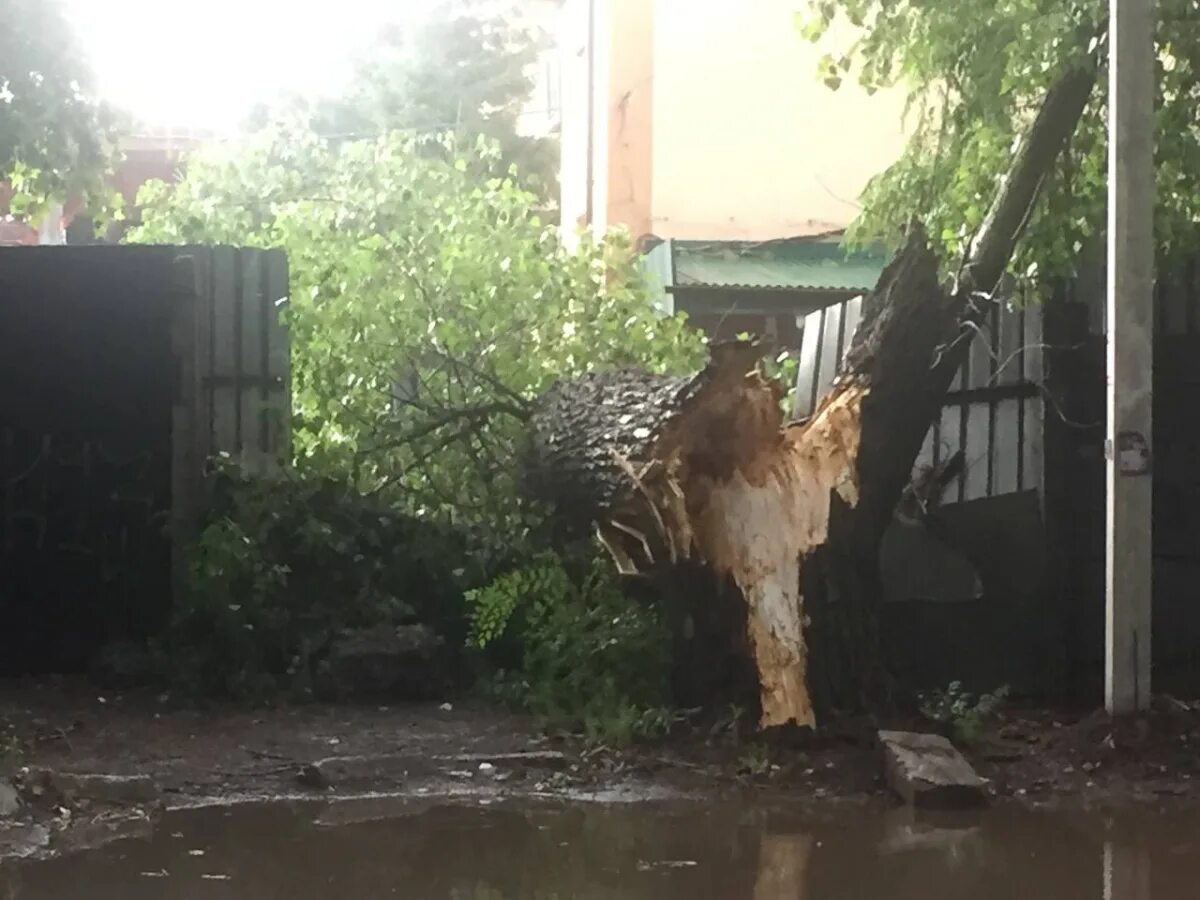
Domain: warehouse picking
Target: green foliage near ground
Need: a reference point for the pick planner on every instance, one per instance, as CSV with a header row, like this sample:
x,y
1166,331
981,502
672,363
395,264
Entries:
x,y
430,305
582,655
962,712
56,139
283,567
975,73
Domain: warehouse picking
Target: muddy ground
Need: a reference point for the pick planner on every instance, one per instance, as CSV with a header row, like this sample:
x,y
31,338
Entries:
x,y
195,755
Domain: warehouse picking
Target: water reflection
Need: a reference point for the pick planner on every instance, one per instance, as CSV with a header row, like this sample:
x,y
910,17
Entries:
x,y
726,851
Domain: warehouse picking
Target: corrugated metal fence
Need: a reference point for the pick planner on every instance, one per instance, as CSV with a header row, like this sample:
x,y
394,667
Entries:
x,y
240,352
993,412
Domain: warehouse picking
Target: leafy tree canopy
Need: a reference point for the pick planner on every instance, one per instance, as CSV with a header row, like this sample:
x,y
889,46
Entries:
x,y
55,138
976,73
429,306
466,69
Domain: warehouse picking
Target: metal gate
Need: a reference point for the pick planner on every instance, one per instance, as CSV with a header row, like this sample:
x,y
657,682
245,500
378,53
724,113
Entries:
x,y
122,368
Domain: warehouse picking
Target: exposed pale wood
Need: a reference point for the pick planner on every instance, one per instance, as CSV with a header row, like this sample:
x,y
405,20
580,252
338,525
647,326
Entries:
x,y
794,514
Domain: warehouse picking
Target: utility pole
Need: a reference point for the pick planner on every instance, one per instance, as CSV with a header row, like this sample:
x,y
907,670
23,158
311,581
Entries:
x,y
1129,552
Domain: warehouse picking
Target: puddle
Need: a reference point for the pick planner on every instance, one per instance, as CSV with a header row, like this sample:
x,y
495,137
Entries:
x,y
370,849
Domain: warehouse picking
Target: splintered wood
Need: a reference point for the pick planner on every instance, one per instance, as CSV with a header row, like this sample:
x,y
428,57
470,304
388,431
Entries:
x,y
730,483
758,525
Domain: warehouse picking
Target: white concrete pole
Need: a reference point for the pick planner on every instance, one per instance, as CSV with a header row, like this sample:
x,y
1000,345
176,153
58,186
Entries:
x,y
1126,871
1130,352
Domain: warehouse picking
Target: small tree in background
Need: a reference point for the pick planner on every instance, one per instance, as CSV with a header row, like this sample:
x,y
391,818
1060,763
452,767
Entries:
x,y
466,70
56,139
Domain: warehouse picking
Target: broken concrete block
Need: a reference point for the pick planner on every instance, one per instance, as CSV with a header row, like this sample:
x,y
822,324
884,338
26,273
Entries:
x,y
928,772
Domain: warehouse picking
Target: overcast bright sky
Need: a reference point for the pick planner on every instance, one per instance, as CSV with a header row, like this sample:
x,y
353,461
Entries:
x,y
205,64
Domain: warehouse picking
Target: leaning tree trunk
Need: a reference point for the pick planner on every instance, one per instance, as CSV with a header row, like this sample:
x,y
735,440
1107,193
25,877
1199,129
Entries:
x,y
913,340
669,469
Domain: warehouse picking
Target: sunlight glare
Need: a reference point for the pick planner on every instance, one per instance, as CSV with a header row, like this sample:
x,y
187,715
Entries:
x,y
205,65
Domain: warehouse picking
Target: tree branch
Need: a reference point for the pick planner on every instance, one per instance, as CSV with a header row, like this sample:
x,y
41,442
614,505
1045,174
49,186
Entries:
x,y
1055,122
476,414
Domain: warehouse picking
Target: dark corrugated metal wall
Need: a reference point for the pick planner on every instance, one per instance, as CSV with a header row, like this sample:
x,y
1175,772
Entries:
x,y
121,369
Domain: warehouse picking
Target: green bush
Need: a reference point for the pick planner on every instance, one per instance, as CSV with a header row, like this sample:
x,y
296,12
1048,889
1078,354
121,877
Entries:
x,y
586,656
284,566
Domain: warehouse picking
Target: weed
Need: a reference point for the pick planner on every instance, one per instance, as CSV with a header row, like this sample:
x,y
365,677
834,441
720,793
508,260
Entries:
x,y
755,761
962,712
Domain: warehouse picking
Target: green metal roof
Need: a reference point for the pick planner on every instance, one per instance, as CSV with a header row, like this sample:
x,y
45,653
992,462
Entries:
x,y
810,263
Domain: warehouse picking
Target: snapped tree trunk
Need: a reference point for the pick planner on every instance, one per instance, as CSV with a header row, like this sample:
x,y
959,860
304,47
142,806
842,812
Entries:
x,y
670,469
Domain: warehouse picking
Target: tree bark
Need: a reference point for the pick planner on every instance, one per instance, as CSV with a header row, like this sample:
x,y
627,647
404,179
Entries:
x,y
671,469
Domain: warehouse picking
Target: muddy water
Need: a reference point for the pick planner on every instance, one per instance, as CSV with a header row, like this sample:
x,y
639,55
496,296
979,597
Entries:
x,y
385,849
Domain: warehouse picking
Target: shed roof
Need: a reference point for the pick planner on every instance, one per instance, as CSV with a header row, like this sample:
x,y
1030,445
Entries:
x,y
819,263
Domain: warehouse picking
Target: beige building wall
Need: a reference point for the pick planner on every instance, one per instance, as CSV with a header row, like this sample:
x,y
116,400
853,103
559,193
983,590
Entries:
x,y
631,122
711,123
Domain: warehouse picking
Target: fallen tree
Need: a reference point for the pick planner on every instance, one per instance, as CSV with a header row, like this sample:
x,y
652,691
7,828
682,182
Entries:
x,y
669,469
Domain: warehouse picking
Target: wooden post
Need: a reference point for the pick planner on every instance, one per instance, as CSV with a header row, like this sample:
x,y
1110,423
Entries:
x,y
1129,555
